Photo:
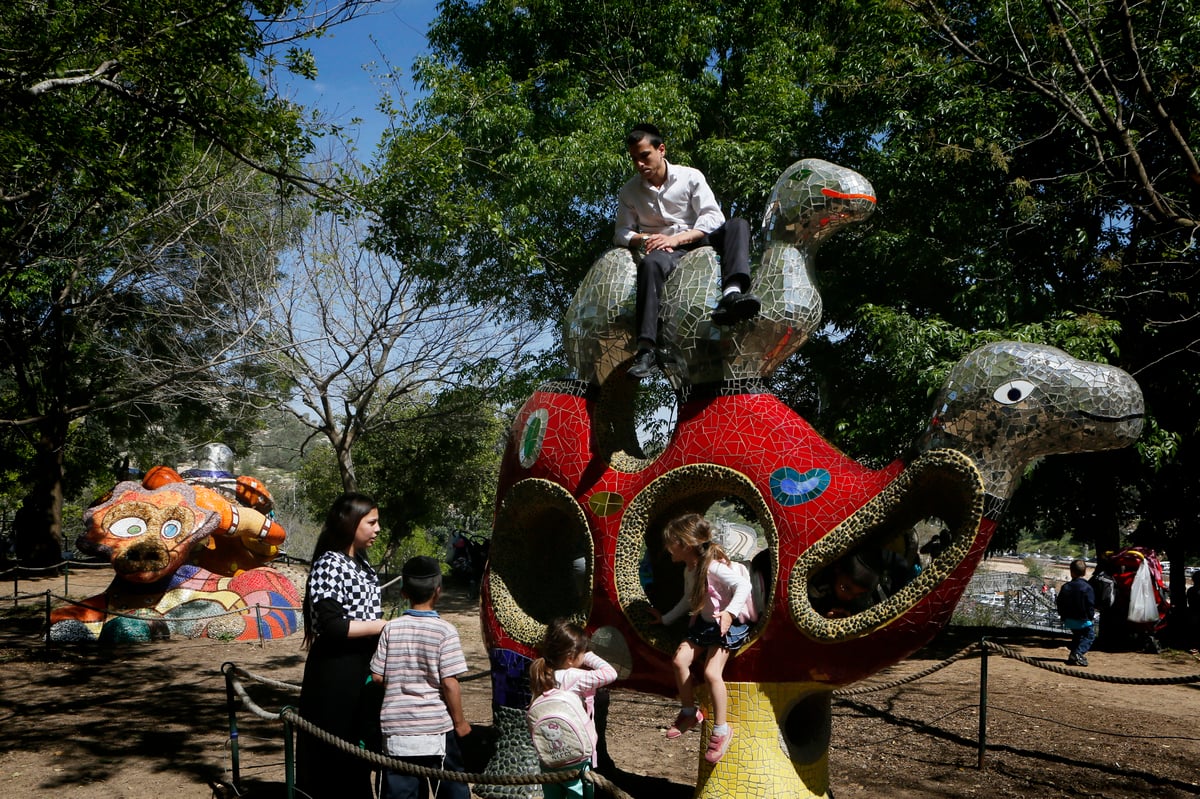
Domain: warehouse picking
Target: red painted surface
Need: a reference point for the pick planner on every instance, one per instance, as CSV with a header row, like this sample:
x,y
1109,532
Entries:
x,y
755,435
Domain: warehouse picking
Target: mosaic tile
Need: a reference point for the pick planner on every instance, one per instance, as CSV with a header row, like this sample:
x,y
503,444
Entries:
x,y
606,503
812,200
533,436
914,531
790,487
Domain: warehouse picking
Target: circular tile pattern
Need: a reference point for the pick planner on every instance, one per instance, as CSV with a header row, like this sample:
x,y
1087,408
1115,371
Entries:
x,y
533,435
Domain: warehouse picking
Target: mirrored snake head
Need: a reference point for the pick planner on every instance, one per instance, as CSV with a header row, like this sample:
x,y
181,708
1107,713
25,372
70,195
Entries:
x,y
1009,402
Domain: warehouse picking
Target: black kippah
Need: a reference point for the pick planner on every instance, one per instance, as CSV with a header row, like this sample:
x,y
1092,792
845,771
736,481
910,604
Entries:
x,y
421,567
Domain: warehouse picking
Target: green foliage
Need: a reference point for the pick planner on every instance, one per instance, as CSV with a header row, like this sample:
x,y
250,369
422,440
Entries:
x,y
428,461
417,543
503,178
136,225
1014,200
318,481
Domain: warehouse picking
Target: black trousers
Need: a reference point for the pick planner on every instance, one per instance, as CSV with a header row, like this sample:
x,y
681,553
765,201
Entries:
x,y
732,243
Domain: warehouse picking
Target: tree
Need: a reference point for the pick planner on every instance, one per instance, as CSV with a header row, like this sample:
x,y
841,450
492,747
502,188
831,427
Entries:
x,y
435,462
1085,112
355,338
513,159
139,335
1034,163
134,141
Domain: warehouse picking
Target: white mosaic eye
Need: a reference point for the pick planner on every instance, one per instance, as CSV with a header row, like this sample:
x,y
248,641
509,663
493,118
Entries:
x,y
1013,391
128,527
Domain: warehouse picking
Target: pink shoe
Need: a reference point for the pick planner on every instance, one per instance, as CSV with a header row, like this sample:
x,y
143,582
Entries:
x,y
684,722
718,745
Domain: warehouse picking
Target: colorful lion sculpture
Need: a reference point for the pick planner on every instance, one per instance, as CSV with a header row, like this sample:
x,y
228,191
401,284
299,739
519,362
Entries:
x,y
185,555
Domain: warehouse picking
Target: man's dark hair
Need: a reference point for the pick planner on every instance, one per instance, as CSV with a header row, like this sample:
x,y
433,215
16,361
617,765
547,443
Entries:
x,y
1078,568
642,131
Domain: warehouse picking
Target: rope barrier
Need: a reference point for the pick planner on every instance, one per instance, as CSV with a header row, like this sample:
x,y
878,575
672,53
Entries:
x,y
238,670
984,647
74,563
198,617
1015,655
866,689
289,715
1084,675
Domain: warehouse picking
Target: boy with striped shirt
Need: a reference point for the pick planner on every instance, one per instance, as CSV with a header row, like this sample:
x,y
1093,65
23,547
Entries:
x,y
418,660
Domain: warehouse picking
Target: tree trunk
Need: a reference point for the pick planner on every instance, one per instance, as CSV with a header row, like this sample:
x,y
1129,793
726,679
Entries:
x,y
345,462
37,526
1105,522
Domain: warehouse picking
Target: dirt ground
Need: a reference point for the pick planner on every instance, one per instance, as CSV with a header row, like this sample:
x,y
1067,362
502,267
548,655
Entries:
x,y
149,720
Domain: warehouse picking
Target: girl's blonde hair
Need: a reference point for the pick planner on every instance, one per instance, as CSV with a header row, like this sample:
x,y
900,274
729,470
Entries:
x,y
563,642
695,532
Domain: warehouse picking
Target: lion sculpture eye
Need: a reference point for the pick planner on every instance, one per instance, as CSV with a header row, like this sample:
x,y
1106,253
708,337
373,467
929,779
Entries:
x,y
1013,392
128,527
171,528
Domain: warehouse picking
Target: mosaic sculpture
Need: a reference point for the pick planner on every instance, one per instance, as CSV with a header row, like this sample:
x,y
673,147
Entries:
x,y
811,200
185,552
574,484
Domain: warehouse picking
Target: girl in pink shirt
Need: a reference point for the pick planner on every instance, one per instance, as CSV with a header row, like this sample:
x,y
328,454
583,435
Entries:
x,y
715,594
566,663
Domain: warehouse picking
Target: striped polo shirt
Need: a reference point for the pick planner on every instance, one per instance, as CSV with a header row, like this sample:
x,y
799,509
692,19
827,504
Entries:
x,y
415,653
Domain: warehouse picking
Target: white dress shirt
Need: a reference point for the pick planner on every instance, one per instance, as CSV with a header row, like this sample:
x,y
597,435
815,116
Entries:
x,y
683,202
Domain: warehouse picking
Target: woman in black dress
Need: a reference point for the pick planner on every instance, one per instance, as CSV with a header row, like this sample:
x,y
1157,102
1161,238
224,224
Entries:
x,y
343,616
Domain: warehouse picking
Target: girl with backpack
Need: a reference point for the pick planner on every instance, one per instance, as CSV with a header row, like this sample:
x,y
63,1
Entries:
x,y
564,682
716,594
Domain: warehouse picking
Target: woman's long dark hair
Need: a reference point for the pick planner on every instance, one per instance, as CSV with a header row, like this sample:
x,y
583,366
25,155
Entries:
x,y
341,523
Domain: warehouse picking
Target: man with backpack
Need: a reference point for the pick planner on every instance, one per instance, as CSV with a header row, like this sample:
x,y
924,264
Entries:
x,y
1077,605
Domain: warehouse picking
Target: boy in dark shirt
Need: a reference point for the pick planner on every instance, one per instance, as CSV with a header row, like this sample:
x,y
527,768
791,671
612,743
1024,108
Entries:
x,y
1077,605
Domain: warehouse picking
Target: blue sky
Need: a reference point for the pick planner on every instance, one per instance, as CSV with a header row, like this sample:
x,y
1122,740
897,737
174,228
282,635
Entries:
x,y
393,32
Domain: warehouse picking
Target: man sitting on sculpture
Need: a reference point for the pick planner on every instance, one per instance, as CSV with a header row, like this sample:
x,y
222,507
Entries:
x,y
662,213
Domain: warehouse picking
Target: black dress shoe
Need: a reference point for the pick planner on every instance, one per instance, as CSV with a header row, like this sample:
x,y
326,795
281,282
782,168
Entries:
x,y
734,307
644,364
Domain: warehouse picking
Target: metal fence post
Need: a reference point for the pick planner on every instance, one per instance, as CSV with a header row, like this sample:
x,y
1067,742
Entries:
x,y
231,707
289,756
983,678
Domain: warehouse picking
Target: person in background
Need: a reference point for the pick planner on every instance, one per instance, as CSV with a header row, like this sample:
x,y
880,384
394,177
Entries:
x,y
418,661
1193,610
662,213
1076,603
848,591
860,580
343,616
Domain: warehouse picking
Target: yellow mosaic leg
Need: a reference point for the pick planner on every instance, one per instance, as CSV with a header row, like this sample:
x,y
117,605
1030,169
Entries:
x,y
780,745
